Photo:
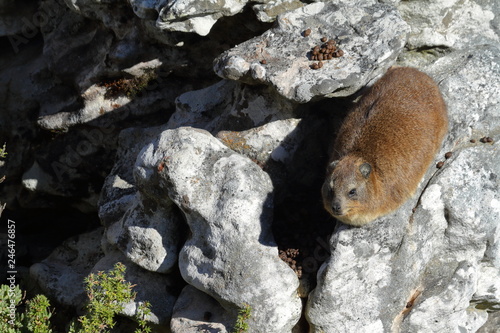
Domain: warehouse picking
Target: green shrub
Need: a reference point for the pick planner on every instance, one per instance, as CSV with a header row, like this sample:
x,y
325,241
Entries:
x,y
241,324
107,292
3,151
34,320
37,315
10,318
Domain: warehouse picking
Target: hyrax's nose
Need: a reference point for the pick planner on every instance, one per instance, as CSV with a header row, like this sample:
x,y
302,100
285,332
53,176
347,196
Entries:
x,y
336,207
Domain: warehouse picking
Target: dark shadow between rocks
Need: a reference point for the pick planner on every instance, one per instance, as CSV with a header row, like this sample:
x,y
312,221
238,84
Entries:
x,y
301,226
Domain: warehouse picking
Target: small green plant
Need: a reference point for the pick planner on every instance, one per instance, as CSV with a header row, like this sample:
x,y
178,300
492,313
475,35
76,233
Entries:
x,y
107,293
10,318
143,312
3,154
3,151
37,315
34,320
241,324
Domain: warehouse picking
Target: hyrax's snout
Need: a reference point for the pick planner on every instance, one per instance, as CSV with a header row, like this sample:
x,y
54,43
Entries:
x,y
336,207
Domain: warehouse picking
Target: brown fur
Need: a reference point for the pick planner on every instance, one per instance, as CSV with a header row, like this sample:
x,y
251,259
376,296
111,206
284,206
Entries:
x,y
393,134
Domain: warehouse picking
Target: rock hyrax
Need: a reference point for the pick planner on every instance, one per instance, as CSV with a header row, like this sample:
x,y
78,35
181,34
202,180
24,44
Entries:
x,y
384,146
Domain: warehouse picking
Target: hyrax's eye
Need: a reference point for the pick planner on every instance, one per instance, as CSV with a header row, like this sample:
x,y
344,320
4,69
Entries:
x,y
352,193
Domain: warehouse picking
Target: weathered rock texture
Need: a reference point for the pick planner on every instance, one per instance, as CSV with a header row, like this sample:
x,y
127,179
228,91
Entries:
x,y
117,109
370,36
227,202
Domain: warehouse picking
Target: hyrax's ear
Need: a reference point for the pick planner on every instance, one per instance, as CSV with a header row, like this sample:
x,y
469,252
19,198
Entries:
x,y
332,166
365,169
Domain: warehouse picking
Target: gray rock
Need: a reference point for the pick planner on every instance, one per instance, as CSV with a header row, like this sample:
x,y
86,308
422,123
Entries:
x,y
148,234
456,24
471,92
200,16
208,315
267,11
436,269
140,219
468,251
275,140
229,105
196,16
61,275
96,9
371,37
227,202
492,324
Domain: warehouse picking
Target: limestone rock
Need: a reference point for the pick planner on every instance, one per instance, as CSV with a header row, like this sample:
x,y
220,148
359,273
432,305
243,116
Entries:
x,y
492,324
454,24
141,221
268,10
371,37
274,140
227,202
229,105
196,16
207,315
469,251
61,275
200,16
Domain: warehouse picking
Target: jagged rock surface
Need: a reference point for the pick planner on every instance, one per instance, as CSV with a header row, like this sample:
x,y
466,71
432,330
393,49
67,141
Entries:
x,y
230,105
61,274
456,24
227,202
208,315
370,36
139,220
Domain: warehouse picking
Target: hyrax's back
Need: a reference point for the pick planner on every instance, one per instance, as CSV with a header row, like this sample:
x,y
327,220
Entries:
x,y
397,127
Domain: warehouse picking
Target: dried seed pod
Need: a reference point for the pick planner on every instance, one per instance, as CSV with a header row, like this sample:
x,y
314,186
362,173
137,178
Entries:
x,y
488,139
339,53
483,139
332,42
307,32
439,165
472,140
448,155
314,66
329,57
324,39
320,64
